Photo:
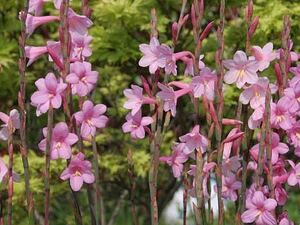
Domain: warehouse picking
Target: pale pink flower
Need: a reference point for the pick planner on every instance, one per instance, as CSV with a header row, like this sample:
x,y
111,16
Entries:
x,y
264,55
256,118
293,94
194,141
34,52
176,160
91,117
283,219
295,70
136,99
61,142
255,93
50,91
79,171
136,125
280,175
204,84
10,121
281,195
170,97
278,148
241,70
280,115
32,22
78,23
57,3
294,134
294,175
154,55
229,187
3,170
81,49
36,6
259,210
82,78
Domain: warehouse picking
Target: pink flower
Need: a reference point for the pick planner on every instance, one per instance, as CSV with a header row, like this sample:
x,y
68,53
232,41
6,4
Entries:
x,y
176,160
90,118
81,49
280,115
12,120
280,195
32,22
256,118
204,84
82,78
255,93
194,141
36,6
294,175
295,70
294,134
229,187
136,99
78,23
136,125
78,171
169,97
283,219
61,141
259,210
264,55
241,70
57,3
154,55
32,53
3,170
277,148
293,94
50,91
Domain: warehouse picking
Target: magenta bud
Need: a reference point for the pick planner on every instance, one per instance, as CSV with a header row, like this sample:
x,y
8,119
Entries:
x,y
201,6
146,86
278,74
206,31
249,10
231,122
212,112
55,58
253,26
174,31
233,137
184,19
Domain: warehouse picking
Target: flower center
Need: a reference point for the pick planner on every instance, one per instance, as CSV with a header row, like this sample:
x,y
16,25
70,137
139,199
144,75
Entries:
x,y
58,145
50,96
90,123
298,135
241,73
279,118
77,174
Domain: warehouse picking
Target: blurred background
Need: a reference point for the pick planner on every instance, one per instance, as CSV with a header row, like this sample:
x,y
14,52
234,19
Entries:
x,y
119,27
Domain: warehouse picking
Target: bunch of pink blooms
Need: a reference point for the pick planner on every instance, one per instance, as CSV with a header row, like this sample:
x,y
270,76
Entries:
x,y
274,109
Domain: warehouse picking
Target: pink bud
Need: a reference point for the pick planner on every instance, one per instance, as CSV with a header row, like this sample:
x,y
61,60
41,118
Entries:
x,y
249,10
183,20
206,31
174,31
212,112
55,58
278,74
233,137
253,26
146,86
231,122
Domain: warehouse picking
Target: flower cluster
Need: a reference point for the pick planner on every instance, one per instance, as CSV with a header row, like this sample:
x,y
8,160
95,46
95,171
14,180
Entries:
x,y
53,90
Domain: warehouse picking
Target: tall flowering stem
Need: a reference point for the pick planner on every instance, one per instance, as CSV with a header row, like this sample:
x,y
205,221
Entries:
x,y
47,164
21,103
285,53
220,106
10,173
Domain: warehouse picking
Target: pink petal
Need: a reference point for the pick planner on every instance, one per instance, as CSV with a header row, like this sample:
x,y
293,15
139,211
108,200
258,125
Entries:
x,y
76,182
